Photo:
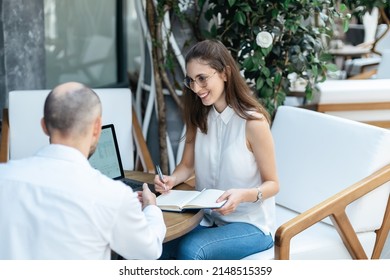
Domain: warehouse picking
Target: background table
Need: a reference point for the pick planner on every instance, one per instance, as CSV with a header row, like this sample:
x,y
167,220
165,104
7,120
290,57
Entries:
x,y
177,224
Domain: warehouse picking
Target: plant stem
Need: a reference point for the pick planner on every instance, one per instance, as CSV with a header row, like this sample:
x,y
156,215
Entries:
x,y
155,33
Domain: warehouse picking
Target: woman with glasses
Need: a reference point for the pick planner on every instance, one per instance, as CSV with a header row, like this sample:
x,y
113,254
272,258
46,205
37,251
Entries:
x,y
228,146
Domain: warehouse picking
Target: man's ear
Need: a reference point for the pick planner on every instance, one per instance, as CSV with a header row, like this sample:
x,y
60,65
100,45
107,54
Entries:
x,y
97,128
44,128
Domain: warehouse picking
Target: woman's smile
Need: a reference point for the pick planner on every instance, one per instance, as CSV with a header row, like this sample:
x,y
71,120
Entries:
x,y
203,94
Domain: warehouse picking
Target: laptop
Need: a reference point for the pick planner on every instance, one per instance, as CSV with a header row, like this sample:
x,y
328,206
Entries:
x,y
108,161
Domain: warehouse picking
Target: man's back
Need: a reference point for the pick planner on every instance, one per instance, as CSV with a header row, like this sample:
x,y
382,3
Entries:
x,y
56,206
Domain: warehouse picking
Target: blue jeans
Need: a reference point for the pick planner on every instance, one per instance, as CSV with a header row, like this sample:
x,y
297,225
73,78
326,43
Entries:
x,y
229,242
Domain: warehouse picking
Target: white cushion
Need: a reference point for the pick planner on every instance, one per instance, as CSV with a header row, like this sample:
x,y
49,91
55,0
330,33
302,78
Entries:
x,y
356,91
320,241
26,111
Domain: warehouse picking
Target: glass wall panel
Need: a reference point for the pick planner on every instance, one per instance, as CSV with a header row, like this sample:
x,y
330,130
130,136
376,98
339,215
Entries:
x,y
80,42
133,37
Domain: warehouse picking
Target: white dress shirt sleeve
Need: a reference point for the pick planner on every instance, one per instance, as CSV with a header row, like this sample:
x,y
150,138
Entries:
x,y
137,233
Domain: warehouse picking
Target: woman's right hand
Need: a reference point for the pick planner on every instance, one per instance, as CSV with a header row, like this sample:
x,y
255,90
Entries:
x,y
164,185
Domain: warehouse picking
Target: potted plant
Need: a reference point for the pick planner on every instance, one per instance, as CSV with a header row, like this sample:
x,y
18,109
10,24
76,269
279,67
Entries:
x,y
277,42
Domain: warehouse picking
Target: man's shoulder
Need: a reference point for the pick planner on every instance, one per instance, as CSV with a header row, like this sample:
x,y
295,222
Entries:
x,y
16,165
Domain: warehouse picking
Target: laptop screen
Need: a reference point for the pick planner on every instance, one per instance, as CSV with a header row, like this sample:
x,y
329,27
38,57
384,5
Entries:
x,y
107,157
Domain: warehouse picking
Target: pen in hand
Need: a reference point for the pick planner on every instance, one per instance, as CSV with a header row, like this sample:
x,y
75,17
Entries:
x,y
160,175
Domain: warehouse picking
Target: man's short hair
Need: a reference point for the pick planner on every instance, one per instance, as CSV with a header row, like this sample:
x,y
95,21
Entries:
x,y
71,109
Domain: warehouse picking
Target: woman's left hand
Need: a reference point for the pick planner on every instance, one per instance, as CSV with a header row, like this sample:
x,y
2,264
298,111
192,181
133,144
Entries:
x,y
234,197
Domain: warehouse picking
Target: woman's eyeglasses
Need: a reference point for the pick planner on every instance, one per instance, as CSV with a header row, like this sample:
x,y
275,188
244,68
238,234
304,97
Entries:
x,y
200,80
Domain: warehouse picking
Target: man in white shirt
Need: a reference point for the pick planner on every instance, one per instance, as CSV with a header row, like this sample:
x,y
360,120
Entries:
x,y
54,205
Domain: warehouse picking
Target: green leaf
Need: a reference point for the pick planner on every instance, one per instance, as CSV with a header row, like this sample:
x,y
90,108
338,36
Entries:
x,y
266,91
314,69
231,3
265,71
343,7
309,92
345,25
201,2
269,83
331,67
213,30
245,7
258,60
278,78
240,18
275,13
280,97
259,83
248,64
208,15
326,57
266,51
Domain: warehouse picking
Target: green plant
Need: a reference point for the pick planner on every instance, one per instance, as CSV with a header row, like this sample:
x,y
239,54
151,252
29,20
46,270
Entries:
x,y
297,30
359,7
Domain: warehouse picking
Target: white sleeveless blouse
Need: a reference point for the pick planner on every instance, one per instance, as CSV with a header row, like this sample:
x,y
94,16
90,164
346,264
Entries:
x,y
223,161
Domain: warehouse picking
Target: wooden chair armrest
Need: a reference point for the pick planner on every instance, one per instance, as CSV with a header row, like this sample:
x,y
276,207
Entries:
x,y
366,67
4,146
334,207
142,151
364,75
334,107
365,45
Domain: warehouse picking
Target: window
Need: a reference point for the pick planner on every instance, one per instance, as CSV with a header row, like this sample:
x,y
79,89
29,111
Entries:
x,y
84,42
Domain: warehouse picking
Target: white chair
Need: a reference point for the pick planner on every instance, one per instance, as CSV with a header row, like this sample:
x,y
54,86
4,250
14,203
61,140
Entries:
x,y
22,134
360,100
370,23
329,167
358,66
375,68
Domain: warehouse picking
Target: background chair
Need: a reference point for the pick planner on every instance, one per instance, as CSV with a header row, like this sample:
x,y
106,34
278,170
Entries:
x,y
363,44
22,135
361,100
379,69
334,178
362,65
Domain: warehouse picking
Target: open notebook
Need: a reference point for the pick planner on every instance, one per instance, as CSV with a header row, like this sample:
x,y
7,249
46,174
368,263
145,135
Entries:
x,y
108,161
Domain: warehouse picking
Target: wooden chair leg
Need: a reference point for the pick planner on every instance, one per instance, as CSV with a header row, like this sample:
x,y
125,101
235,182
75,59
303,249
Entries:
x,y
382,233
4,137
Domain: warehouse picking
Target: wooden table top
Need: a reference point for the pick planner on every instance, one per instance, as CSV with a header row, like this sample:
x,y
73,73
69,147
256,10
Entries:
x,y
177,224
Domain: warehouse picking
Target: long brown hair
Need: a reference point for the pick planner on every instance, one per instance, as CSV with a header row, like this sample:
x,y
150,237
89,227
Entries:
x,y
238,94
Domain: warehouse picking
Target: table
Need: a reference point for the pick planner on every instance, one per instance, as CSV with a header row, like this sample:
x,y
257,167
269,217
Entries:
x,y
177,224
